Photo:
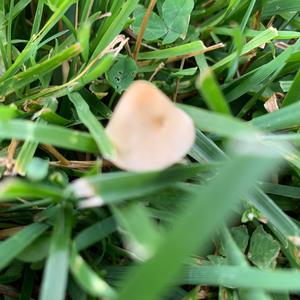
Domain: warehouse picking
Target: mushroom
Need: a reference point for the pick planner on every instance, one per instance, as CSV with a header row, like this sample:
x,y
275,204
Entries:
x,y
149,132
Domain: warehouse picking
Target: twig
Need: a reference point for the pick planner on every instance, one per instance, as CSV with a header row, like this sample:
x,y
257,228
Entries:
x,y
9,161
178,81
143,29
160,67
5,233
50,149
11,150
8,291
80,165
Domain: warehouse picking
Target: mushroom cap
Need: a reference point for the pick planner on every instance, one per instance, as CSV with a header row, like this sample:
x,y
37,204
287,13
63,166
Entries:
x,y
149,132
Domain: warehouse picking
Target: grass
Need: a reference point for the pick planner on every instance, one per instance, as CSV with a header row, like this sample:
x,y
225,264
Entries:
x,y
221,224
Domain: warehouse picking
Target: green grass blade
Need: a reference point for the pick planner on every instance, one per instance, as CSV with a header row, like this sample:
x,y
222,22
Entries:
x,y
55,275
199,214
12,189
115,27
277,281
212,94
287,117
94,233
8,112
173,51
260,39
141,235
21,79
88,279
47,134
115,187
223,125
105,146
13,246
293,94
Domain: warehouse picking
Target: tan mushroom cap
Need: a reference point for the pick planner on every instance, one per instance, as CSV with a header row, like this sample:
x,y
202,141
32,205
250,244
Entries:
x,y
150,133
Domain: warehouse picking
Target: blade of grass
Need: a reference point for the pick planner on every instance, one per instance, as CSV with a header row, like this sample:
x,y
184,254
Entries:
x,y
223,125
287,117
9,29
111,188
170,255
12,189
32,44
88,279
28,149
277,281
235,257
262,38
278,221
54,282
94,233
211,93
21,79
293,94
141,236
115,27
247,82
8,113
13,246
173,51
90,121
47,134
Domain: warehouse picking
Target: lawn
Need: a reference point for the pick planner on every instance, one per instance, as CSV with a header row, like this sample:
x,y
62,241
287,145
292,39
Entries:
x,y
149,149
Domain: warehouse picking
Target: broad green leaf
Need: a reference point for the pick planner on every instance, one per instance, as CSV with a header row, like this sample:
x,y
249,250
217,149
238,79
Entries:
x,y
280,223
122,73
176,15
235,257
155,28
264,249
241,237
